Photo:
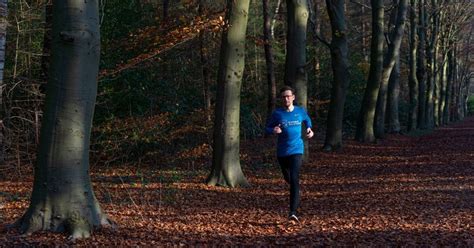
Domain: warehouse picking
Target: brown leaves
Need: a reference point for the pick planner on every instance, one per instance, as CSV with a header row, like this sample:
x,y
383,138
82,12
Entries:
x,y
161,39
405,191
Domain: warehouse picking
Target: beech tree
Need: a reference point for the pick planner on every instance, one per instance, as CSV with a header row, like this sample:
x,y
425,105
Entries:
x,y
226,169
62,197
3,35
365,130
295,62
390,59
421,65
412,78
340,68
267,38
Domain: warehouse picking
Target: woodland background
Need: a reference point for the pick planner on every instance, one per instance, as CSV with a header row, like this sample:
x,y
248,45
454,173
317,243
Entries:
x,y
152,142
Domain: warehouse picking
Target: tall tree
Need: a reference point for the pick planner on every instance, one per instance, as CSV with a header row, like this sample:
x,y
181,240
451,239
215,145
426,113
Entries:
x,y
62,197
393,121
421,65
203,52
431,56
166,7
47,37
295,62
267,38
340,68
365,130
3,35
389,62
226,169
412,79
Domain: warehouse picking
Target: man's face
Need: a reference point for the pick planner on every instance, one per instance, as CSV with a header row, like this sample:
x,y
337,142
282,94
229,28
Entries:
x,y
287,98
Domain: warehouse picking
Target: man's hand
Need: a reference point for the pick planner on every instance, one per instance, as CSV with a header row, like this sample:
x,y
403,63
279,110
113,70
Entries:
x,y
309,133
277,129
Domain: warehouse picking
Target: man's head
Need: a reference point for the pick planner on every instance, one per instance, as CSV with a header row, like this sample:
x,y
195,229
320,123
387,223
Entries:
x,y
287,95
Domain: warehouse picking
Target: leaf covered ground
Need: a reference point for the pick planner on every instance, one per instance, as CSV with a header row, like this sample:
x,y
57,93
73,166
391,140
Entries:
x,y
409,190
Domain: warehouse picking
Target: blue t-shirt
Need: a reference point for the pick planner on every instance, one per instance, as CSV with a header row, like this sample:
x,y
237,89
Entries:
x,y
289,140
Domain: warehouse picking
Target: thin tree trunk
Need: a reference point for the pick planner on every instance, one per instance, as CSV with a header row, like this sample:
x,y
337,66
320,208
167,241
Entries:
x,y
166,6
340,68
365,130
206,75
316,31
393,97
412,79
437,70
62,198
3,36
226,170
295,63
432,62
364,41
452,82
274,19
443,84
389,62
449,85
271,80
421,66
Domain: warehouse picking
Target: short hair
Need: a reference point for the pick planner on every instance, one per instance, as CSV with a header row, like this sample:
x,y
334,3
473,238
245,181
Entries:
x,y
285,88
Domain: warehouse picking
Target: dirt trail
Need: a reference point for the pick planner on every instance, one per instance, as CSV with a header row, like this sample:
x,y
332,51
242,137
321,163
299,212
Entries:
x,y
405,190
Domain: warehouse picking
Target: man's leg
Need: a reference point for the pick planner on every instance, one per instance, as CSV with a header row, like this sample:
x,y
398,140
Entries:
x,y
285,163
295,166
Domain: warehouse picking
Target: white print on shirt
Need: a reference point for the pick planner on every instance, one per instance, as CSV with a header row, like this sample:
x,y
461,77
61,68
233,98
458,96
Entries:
x,y
286,123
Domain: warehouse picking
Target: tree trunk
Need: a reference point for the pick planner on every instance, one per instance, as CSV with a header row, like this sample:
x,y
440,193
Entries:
x,y
271,97
390,60
443,91
421,66
365,131
449,85
62,198
47,38
412,79
436,83
295,63
206,75
226,170
275,15
340,68
432,62
364,40
392,100
166,5
3,37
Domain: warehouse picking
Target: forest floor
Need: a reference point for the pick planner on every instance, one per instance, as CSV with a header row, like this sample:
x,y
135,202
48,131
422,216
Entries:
x,y
407,190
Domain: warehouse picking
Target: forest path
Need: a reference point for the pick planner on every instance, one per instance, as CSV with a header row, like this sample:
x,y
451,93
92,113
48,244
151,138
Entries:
x,y
405,190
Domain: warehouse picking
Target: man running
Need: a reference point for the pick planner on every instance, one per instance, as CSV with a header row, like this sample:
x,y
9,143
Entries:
x,y
286,123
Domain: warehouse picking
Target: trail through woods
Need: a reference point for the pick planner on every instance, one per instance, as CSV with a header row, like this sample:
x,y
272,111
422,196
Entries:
x,y
405,190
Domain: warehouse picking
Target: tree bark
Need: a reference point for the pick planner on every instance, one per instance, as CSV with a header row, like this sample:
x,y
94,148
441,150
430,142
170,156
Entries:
x,y
47,38
365,131
3,37
166,5
443,90
295,62
62,198
412,79
389,62
432,68
226,170
206,75
271,80
421,66
340,68
275,15
393,97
